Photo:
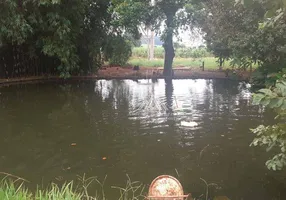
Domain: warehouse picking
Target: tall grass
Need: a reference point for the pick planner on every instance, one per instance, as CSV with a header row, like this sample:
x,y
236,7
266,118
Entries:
x,y
9,190
17,190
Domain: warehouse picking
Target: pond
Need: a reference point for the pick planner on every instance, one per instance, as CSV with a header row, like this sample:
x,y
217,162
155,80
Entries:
x,y
56,131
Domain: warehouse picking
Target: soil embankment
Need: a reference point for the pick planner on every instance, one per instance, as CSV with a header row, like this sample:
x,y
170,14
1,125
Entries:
x,y
116,72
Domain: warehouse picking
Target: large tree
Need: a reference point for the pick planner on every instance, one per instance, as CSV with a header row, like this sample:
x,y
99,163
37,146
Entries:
x,y
169,8
174,14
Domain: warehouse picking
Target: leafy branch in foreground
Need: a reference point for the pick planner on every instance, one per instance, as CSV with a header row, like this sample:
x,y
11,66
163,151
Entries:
x,y
273,136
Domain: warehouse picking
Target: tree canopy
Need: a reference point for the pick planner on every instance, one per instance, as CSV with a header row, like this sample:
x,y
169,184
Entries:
x,y
66,36
235,32
51,36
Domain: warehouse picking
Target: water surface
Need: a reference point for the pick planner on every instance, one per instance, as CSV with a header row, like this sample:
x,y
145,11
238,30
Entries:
x,y
137,127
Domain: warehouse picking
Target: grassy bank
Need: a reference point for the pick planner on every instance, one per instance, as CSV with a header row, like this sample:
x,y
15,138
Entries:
x,y
210,62
17,190
132,191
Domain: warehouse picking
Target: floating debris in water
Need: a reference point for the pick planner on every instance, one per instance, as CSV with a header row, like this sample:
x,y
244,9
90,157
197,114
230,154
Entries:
x,y
104,158
73,144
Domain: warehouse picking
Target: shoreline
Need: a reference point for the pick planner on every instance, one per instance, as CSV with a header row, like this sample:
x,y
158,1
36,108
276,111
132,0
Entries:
x,y
121,73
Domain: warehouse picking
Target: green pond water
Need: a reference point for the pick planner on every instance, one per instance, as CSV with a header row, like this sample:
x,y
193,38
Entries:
x,y
137,126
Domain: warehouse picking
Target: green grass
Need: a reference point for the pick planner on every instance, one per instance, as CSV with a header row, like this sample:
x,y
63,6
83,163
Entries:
x,y
210,62
184,52
17,190
13,191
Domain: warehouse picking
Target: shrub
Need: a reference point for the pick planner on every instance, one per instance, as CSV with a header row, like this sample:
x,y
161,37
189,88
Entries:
x,y
117,50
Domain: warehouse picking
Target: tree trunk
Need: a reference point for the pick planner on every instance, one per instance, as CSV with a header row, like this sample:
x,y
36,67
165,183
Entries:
x,y
169,47
150,43
221,61
152,46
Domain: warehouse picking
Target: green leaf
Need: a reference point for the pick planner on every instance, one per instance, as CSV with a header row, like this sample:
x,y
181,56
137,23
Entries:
x,y
266,92
246,3
283,149
281,87
265,101
270,13
283,106
276,102
257,98
279,165
270,147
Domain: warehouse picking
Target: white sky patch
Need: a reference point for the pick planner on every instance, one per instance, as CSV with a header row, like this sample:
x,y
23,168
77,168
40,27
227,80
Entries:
x,y
190,39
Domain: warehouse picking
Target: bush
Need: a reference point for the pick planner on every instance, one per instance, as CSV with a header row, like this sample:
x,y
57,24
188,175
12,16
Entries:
x,y
140,52
159,52
273,137
117,50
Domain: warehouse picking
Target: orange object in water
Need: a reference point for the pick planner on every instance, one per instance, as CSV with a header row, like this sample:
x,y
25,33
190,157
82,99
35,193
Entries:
x,y
166,188
104,158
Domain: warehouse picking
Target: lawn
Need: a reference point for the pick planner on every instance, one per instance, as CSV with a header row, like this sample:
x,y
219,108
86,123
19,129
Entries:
x,y
210,62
